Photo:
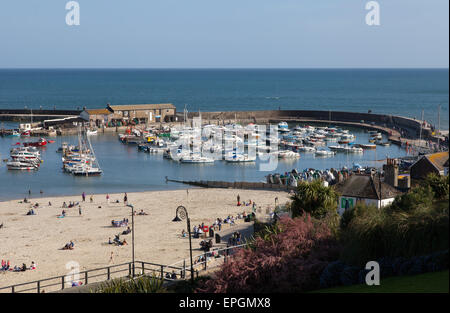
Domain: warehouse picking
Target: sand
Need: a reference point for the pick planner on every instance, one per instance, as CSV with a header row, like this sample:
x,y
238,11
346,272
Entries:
x,y
39,238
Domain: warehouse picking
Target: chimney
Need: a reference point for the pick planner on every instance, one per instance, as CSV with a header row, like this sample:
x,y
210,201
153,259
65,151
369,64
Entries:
x,y
391,172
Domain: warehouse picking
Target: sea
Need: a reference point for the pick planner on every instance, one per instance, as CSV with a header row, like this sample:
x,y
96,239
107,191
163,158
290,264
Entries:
x,y
406,92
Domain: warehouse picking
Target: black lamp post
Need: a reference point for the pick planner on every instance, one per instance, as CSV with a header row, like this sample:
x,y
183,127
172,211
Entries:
x,y
132,236
182,214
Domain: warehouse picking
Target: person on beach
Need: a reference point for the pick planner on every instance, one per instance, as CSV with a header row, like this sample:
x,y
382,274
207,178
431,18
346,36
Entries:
x,y
238,200
91,198
83,196
64,204
107,198
125,199
79,210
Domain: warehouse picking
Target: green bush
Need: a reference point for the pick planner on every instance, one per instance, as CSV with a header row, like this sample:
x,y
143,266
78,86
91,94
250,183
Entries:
x,y
418,198
144,284
315,199
359,210
439,185
395,233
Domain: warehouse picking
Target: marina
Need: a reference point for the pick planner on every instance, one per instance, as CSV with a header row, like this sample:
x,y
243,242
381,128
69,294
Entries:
x,y
125,167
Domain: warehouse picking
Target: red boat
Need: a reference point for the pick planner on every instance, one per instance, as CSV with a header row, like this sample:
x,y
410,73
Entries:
x,y
42,142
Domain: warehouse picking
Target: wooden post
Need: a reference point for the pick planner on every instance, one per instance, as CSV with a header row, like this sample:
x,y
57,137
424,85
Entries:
x,y
205,260
129,269
109,272
62,282
143,268
39,286
162,272
86,278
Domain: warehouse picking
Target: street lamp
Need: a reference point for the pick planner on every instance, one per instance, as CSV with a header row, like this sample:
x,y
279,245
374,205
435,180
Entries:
x,y
132,235
181,214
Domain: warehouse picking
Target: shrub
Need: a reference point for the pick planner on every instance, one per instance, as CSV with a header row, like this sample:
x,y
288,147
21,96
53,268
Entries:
x,y
349,275
287,261
144,284
417,198
331,274
394,234
314,198
438,184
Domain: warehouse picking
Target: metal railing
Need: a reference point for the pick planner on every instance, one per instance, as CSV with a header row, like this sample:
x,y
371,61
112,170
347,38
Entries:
x,y
58,283
208,259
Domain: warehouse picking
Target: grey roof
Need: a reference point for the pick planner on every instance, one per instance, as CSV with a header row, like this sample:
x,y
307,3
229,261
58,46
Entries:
x,y
367,187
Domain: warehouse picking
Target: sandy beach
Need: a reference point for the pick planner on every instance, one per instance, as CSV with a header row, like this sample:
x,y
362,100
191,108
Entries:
x,y
40,237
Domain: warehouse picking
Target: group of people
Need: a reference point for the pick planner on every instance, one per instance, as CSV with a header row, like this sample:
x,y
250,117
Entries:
x,y
117,240
121,223
71,204
206,245
6,266
171,276
235,239
31,212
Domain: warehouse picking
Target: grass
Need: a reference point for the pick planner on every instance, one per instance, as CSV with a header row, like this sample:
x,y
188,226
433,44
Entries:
x,y
436,282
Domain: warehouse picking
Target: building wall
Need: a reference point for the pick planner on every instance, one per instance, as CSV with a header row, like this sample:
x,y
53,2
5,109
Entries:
x,y
353,201
422,168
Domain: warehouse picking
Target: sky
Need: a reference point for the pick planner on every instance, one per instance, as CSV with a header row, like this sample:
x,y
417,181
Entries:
x,y
224,34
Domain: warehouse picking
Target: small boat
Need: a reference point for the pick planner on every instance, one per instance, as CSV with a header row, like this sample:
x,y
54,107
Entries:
x,y
287,154
91,132
237,158
40,143
196,159
283,127
307,149
20,165
337,148
353,150
14,133
368,146
324,153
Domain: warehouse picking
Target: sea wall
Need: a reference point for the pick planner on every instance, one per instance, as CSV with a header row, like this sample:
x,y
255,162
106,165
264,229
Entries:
x,y
265,116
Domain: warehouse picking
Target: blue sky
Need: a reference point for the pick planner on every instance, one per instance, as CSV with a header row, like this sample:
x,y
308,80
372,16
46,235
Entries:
x,y
224,34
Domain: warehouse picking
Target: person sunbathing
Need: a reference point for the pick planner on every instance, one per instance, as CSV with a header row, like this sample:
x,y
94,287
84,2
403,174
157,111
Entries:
x,y
127,231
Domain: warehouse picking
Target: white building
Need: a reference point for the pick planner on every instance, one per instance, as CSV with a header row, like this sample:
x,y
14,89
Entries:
x,y
367,189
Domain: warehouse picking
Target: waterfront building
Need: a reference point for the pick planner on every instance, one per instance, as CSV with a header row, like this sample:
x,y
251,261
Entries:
x,y
436,163
144,113
366,189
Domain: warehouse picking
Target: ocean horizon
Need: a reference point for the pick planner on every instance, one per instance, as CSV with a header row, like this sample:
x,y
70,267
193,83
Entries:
x,y
397,91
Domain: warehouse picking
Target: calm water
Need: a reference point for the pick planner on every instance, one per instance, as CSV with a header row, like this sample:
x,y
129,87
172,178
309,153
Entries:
x,y
126,169
400,92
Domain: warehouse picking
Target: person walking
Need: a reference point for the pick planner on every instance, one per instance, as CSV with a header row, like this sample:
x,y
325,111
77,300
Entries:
x,y
79,210
125,199
238,200
83,196
107,198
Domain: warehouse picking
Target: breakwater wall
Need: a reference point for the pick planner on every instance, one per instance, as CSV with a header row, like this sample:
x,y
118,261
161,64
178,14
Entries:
x,y
25,115
410,125
235,185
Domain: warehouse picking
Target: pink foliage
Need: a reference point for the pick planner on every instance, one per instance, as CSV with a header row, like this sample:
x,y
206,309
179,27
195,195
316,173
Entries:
x,y
290,261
